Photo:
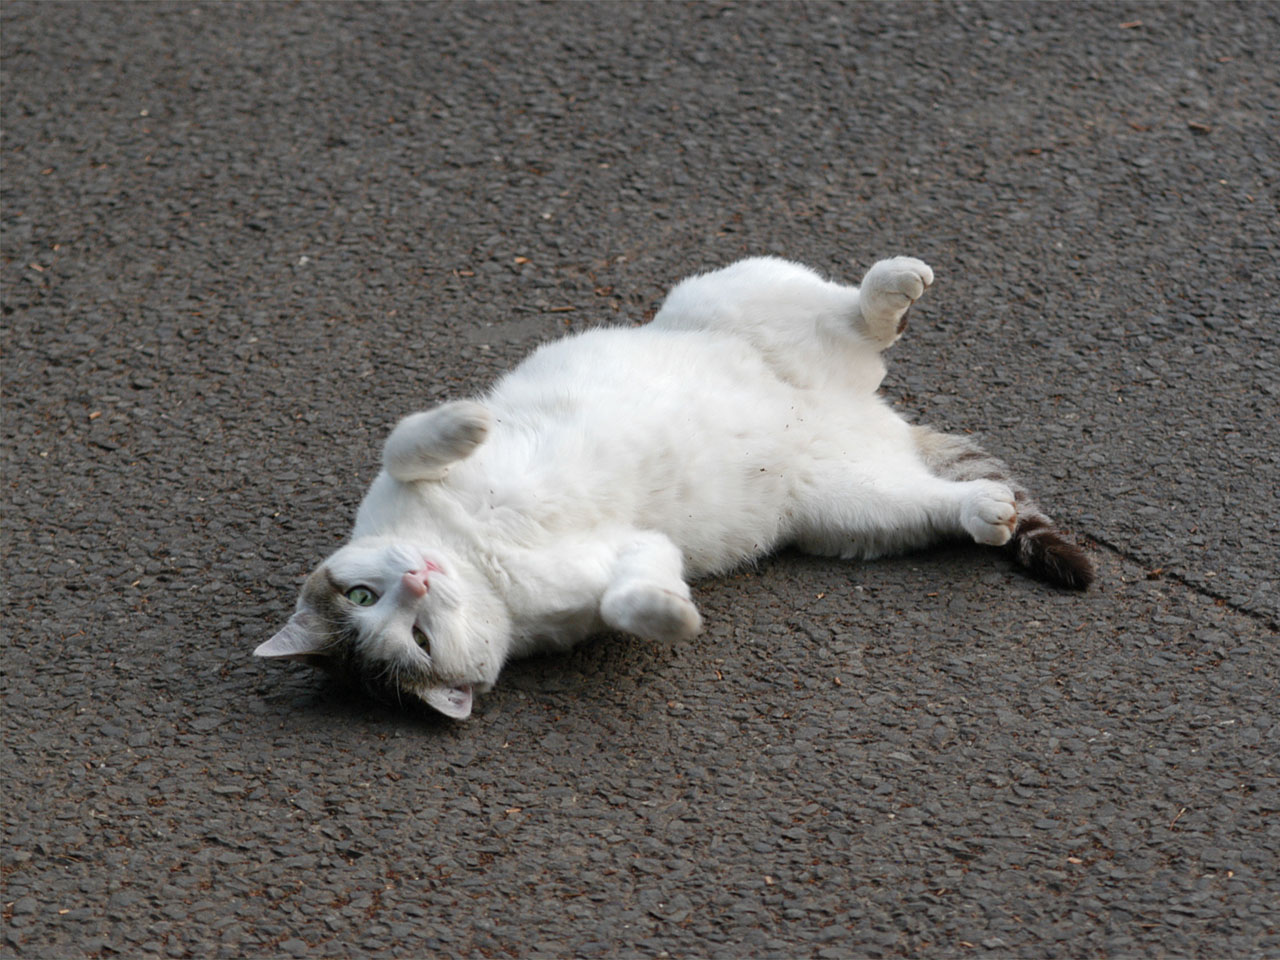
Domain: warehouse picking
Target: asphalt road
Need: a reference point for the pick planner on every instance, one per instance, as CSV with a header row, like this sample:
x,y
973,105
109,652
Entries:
x,y
239,241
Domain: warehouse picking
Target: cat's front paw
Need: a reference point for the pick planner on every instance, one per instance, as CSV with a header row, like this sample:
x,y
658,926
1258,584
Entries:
x,y
423,445
887,293
989,513
651,612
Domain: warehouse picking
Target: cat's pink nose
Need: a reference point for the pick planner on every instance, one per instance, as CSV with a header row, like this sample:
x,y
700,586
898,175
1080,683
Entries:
x,y
415,581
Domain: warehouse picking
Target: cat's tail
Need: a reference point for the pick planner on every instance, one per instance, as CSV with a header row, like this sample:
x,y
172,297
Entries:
x,y
1037,545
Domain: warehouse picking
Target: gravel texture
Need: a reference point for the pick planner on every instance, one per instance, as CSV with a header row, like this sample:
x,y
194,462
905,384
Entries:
x,y
240,241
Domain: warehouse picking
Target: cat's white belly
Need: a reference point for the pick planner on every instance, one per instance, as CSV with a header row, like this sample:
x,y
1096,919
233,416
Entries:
x,y
687,433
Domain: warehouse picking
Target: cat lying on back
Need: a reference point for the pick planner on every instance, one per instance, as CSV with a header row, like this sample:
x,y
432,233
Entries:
x,y
607,469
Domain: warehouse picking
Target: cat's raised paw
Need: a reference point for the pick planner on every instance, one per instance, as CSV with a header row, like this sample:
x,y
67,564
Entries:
x,y
423,445
650,612
888,291
989,513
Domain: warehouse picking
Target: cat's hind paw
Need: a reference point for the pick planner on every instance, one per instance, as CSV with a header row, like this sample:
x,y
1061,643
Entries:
x,y
887,293
989,513
650,612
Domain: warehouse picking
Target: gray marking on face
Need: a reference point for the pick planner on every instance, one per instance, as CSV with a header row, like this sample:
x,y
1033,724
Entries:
x,y
387,680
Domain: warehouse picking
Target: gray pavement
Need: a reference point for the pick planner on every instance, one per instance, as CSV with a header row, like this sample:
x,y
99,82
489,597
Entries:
x,y
239,241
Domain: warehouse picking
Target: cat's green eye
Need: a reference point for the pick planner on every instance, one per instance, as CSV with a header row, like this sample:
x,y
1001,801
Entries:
x,y
362,596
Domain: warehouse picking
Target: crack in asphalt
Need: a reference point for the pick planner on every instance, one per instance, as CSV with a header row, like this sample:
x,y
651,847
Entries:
x,y
1165,573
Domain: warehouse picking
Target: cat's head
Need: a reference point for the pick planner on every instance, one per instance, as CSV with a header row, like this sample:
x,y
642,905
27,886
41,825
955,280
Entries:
x,y
405,622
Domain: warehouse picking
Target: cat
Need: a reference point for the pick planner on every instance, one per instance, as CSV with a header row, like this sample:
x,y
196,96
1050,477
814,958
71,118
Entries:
x,y
594,480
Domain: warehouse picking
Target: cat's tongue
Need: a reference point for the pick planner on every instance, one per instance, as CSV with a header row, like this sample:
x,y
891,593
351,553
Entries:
x,y
453,702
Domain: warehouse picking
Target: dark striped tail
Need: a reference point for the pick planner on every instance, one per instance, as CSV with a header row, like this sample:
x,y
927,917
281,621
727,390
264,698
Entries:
x,y
1037,545
1047,555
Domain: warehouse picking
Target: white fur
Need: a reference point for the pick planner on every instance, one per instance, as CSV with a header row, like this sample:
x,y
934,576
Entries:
x,y
598,476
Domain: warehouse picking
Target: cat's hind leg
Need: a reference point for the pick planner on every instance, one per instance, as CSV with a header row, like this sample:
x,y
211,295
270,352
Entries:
x,y
423,445
810,331
646,595
887,293
951,488
865,510
775,302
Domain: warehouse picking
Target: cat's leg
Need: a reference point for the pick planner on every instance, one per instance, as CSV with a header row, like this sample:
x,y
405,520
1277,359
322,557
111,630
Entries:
x,y
950,488
423,445
887,293
776,302
646,594
852,511
809,330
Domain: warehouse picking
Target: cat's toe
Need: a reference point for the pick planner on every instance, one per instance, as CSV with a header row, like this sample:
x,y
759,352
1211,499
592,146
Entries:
x,y
990,513
911,279
467,427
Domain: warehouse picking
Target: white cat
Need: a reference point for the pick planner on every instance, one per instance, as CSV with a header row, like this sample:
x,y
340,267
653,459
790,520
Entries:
x,y
593,480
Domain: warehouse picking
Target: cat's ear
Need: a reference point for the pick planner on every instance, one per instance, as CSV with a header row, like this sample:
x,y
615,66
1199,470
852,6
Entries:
x,y
297,640
453,702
